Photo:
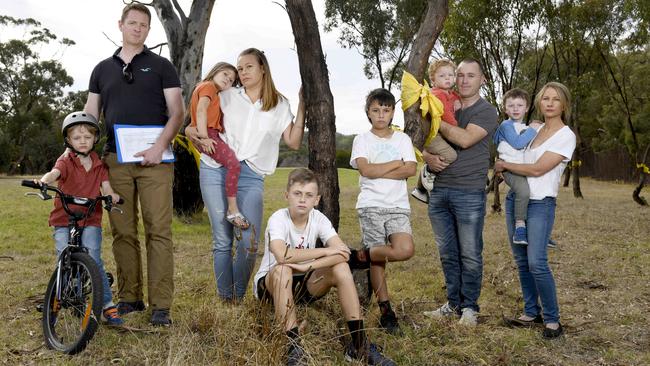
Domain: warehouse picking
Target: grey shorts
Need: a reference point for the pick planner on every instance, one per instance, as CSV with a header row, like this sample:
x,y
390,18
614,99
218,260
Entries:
x,y
378,223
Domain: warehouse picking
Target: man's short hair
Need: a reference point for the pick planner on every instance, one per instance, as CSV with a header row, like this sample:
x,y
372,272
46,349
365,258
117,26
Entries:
x,y
471,60
516,93
137,7
302,176
382,96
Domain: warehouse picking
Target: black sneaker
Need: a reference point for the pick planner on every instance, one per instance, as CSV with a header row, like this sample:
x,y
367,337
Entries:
x,y
296,355
389,322
160,317
124,307
355,263
370,354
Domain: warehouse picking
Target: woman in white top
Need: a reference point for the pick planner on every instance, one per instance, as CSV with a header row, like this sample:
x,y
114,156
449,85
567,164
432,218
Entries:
x,y
544,161
255,118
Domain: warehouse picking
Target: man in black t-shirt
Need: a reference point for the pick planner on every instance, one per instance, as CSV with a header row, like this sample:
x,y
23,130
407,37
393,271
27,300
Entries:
x,y
457,201
137,87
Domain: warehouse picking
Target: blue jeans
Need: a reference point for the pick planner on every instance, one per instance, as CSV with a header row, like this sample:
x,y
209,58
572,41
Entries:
x,y
535,276
457,217
233,275
92,240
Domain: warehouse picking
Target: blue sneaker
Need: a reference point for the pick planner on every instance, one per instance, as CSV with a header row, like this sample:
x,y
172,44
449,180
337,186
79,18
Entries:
x,y
521,236
111,317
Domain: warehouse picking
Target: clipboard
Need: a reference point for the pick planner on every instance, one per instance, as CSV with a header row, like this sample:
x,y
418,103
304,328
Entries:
x,y
131,139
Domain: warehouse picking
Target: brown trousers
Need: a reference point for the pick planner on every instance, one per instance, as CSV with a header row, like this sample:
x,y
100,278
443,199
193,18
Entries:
x,y
152,187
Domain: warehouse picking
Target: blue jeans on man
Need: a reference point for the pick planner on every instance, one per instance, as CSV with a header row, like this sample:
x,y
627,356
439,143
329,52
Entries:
x,y
457,217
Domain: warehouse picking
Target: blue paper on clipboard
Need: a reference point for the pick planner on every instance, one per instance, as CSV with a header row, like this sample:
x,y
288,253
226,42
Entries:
x,y
131,139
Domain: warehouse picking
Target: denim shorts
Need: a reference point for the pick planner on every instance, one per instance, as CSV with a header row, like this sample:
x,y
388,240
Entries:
x,y
379,223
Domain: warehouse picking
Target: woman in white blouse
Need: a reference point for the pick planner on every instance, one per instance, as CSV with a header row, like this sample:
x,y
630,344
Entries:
x,y
545,159
255,117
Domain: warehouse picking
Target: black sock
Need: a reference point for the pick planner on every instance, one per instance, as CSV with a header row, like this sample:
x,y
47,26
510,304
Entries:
x,y
358,333
384,307
293,334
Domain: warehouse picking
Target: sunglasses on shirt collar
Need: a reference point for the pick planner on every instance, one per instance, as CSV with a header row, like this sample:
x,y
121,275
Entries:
x,y
127,72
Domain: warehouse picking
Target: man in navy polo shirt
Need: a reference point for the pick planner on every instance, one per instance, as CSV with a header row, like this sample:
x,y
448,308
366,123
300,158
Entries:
x,y
138,87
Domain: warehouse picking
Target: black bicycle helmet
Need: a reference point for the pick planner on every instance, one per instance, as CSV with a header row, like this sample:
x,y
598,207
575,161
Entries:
x,y
78,118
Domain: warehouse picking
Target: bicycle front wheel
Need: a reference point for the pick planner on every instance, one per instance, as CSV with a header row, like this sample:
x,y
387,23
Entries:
x,y
73,305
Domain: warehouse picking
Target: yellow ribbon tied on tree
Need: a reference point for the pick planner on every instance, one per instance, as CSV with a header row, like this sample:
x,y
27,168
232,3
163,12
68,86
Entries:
x,y
185,143
430,105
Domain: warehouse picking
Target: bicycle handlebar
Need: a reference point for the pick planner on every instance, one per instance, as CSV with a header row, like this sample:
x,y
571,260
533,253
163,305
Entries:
x,y
66,198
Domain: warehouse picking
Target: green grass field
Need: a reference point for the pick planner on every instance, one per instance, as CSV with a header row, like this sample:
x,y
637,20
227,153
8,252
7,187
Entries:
x,y
601,266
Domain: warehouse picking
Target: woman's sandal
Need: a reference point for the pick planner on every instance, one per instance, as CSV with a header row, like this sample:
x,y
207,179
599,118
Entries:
x,y
520,323
549,333
243,223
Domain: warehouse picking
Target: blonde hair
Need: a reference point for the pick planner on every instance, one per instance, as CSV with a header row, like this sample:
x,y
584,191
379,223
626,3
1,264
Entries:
x,y
220,66
565,98
436,64
270,95
136,7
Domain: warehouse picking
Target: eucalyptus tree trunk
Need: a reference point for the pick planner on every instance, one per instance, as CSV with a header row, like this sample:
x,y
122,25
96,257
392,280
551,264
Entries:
x,y
577,155
186,41
636,195
414,125
319,104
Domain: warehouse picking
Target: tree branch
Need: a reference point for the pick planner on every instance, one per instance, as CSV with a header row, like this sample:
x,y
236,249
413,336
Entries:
x,y
178,8
109,38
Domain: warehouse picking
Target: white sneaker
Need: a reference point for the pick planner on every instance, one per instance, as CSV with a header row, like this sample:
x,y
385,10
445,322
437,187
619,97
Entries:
x,y
427,178
445,311
420,195
469,317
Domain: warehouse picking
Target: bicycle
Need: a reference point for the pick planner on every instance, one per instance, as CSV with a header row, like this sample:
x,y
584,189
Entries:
x,y
73,299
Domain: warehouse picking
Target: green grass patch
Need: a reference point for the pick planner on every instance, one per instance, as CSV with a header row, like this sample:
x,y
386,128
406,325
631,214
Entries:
x,y
601,269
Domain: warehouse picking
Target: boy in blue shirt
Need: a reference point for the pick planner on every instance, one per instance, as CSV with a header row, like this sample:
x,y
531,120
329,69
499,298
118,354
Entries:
x,y
511,138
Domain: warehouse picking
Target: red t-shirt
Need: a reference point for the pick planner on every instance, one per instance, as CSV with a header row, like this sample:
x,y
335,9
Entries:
x,y
76,181
447,100
207,89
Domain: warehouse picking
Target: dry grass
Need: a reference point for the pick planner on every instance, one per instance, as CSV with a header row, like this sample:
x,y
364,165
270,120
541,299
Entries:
x,y
601,268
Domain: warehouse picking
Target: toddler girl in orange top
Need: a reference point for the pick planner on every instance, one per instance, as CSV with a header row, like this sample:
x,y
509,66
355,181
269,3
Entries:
x,y
205,110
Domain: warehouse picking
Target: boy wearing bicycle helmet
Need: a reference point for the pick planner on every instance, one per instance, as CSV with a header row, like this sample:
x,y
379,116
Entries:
x,y
82,173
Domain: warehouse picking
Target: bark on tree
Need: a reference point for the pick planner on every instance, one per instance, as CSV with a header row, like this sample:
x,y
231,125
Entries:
x,y
319,103
567,176
186,41
636,195
414,125
576,161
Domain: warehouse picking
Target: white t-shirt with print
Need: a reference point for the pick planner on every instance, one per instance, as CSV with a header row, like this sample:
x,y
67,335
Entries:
x,y
563,142
382,192
280,227
253,134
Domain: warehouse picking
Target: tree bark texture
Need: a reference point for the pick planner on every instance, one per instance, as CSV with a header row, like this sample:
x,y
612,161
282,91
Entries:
x,y
414,125
186,41
577,159
636,195
319,104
